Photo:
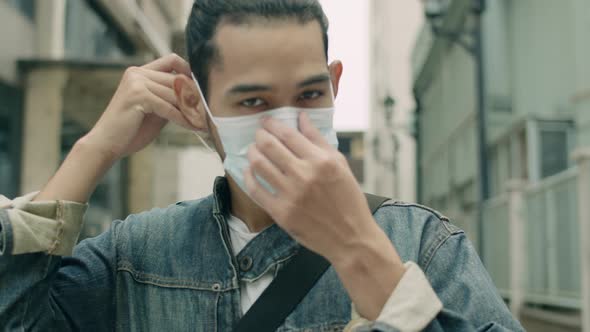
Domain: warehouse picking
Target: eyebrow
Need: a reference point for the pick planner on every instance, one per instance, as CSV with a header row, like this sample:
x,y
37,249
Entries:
x,y
321,78
248,88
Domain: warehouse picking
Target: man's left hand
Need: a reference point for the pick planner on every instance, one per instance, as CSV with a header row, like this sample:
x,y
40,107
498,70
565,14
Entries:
x,y
319,203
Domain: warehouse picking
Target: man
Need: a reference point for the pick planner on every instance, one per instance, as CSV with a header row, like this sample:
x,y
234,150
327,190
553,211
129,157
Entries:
x,y
264,93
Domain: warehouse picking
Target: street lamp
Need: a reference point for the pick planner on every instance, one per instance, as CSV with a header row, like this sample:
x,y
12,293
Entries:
x,y
435,10
388,104
388,112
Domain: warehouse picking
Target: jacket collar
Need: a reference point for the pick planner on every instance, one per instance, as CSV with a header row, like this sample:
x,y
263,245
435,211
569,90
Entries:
x,y
271,247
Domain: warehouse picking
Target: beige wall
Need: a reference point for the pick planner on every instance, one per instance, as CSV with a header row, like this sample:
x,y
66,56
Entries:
x,y
394,27
198,168
14,45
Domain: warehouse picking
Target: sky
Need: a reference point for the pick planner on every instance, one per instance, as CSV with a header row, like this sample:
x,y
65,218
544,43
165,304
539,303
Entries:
x,y
349,42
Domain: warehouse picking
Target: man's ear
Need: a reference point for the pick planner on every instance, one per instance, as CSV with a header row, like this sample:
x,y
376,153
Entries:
x,y
336,68
189,102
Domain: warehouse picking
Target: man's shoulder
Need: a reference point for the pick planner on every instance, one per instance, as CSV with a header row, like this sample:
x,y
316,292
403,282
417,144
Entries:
x,y
416,230
179,218
166,246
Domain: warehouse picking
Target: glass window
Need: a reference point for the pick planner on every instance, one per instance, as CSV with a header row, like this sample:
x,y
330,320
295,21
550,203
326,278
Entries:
x,y
10,128
554,152
344,145
5,160
556,139
26,7
91,35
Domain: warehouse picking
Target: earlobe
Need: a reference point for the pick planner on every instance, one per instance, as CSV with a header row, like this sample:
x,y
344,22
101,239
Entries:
x,y
336,68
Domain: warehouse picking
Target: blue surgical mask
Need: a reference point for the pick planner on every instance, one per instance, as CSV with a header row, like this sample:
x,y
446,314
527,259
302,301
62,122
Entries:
x,y
238,133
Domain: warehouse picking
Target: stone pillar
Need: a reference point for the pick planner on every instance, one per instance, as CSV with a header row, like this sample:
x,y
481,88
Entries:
x,y
141,180
582,158
51,28
166,177
41,145
516,213
581,97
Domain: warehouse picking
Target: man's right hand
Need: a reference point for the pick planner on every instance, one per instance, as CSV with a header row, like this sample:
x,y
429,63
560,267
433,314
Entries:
x,y
143,104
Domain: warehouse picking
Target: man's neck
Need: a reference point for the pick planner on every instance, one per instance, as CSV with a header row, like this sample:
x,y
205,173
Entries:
x,y
244,208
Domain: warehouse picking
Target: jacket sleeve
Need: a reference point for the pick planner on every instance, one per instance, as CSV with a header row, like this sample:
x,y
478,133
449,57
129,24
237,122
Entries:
x,y
411,306
42,287
470,299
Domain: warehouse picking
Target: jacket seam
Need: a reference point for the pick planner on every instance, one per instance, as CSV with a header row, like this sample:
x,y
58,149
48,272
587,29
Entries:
x,y
271,266
161,282
225,238
418,206
115,245
60,227
217,296
435,251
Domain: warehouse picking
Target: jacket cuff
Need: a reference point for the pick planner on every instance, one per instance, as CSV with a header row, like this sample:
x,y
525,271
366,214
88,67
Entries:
x,y
52,227
411,307
5,233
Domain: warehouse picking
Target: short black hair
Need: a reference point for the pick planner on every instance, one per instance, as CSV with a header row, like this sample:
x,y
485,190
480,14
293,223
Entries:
x,y
206,15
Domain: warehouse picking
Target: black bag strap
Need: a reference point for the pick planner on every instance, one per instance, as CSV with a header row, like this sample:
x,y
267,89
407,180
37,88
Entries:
x,y
290,286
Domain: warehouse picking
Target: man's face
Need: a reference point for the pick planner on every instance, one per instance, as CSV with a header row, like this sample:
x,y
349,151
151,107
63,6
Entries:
x,y
266,65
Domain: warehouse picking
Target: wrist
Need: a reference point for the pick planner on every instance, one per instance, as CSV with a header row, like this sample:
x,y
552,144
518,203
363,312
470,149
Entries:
x,y
91,146
367,241
368,254
370,272
79,174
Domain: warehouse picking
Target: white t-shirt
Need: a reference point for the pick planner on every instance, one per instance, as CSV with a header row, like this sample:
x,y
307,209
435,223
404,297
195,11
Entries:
x,y
240,236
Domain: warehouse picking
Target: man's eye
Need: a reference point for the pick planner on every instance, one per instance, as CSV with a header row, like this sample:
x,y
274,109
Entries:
x,y
307,95
252,102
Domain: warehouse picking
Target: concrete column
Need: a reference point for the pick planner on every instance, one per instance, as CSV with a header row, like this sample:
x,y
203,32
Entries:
x,y
166,177
142,180
582,158
516,213
41,146
51,15
581,97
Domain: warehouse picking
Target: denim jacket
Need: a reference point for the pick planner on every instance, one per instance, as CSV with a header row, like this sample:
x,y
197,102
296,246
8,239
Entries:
x,y
172,269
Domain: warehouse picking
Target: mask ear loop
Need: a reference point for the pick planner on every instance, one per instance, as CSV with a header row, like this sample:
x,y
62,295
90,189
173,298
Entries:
x,y
208,112
332,93
203,99
204,142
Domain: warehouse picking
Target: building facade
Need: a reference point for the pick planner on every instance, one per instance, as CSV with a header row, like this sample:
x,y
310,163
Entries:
x,y
537,112
390,145
61,62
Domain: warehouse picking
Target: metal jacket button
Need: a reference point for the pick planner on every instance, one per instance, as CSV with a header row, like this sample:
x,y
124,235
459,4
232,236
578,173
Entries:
x,y
245,263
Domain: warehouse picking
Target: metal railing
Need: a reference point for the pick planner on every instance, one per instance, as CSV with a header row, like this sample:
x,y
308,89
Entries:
x,y
551,241
496,234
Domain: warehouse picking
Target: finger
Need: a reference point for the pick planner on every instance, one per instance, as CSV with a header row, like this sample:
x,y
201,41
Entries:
x,y
258,193
163,92
151,123
291,138
165,110
265,169
170,63
311,132
276,152
165,79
